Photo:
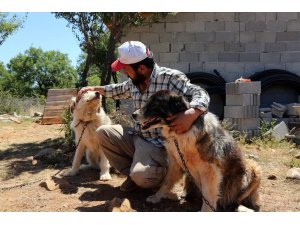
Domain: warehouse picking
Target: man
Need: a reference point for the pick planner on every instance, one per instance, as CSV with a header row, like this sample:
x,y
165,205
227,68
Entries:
x,y
136,153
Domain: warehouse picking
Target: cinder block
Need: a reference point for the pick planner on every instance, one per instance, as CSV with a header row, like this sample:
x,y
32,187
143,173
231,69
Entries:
x,y
249,57
211,66
234,26
252,68
183,67
167,37
169,57
244,124
194,47
243,88
205,36
208,57
234,67
241,111
280,130
225,16
279,66
149,38
185,17
287,16
130,37
265,36
157,27
290,57
225,36
255,26
175,27
229,57
195,26
196,67
215,26
185,37
215,47
245,37
188,57
245,16
260,16
288,36
270,16
177,47
204,16
160,47
243,100
234,47
254,47
276,26
275,47
293,46
270,57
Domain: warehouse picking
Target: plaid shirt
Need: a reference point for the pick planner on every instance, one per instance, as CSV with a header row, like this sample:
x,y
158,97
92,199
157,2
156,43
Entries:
x,y
161,79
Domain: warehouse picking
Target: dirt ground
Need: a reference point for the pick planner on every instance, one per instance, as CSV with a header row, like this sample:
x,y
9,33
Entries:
x,y
21,178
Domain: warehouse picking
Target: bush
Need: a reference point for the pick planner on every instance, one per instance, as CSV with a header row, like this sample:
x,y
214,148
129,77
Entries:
x,y
23,106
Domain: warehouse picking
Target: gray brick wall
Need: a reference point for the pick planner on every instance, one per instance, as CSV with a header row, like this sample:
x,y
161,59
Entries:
x,y
235,44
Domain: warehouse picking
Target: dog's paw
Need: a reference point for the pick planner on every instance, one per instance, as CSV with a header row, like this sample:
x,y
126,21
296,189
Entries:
x,y
84,167
105,177
172,196
70,173
153,199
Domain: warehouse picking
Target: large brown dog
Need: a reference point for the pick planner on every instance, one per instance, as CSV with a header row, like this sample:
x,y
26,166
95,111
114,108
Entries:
x,y
212,157
88,115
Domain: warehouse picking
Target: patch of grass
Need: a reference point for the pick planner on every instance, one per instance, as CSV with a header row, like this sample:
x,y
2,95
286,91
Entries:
x,y
293,163
22,106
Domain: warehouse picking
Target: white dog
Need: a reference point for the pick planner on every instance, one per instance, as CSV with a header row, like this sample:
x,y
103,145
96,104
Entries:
x,y
88,115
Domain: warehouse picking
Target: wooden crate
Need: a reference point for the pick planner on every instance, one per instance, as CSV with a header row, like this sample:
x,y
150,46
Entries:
x,y
58,100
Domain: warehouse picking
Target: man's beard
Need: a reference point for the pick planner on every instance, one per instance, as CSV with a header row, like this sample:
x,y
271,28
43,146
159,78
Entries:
x,y
139,78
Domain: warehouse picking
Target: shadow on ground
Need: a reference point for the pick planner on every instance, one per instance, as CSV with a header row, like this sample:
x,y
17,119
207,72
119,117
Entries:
x,y
18,158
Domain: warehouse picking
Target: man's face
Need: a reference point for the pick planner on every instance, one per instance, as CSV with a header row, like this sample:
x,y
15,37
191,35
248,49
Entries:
x,y
136,77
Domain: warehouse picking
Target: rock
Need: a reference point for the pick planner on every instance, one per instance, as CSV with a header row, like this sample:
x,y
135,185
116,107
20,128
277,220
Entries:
x,y
293,173
34,162
272,177
49,184
118,205
297,156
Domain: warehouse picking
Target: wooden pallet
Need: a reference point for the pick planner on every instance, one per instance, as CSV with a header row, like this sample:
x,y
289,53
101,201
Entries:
x,y
58,100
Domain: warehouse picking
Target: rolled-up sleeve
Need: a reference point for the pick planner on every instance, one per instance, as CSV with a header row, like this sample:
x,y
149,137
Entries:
x,y
118,91
196,95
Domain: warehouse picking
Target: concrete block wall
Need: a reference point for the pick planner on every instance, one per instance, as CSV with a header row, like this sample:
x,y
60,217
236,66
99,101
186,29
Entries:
x,y
236,44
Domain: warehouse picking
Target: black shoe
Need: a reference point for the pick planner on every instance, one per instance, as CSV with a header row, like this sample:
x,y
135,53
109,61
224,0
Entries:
x,y
128,185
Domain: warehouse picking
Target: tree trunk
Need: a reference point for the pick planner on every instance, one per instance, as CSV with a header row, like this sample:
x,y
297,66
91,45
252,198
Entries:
x,y
85,71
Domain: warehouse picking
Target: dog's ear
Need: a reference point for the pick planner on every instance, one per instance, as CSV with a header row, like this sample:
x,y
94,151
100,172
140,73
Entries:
x,y
72,104
178,103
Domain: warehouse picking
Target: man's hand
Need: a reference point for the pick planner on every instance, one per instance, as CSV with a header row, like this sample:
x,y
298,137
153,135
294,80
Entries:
x,y
89,88
182,122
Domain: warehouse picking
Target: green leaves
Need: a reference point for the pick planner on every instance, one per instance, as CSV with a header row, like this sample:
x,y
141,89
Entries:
x,y
35,71
8,25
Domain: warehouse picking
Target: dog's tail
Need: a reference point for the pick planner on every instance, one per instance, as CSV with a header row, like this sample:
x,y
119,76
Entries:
x,y
249,195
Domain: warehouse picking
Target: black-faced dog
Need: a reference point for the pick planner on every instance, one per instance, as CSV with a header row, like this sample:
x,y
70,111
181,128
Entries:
x,y
210,155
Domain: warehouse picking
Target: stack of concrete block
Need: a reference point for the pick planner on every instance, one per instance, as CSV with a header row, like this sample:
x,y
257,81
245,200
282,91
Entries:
x,y
242,106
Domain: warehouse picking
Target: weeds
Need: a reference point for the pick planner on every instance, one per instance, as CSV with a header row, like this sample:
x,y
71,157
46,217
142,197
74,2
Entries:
x,y
22,106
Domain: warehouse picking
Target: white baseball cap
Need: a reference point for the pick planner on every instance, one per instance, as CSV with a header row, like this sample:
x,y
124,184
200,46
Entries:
x,y
130,52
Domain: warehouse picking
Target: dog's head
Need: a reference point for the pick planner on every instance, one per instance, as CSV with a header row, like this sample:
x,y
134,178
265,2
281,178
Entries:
x,y
87,107
158,108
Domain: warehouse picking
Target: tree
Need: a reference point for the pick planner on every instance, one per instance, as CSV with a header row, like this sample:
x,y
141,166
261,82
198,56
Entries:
x,y
34,72
88,29
8,25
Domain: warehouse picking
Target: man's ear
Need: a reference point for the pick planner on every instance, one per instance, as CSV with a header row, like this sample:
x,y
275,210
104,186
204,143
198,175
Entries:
x,y
72,104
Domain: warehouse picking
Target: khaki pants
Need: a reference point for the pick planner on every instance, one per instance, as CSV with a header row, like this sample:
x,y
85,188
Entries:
x,y
133,156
